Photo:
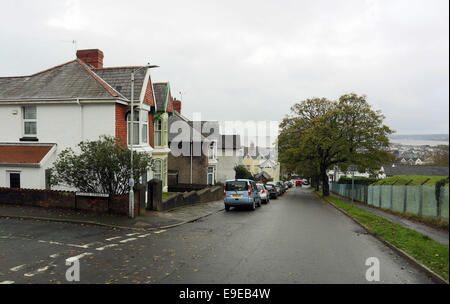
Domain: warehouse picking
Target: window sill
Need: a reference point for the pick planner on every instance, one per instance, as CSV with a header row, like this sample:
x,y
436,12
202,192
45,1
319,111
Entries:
x,y
28,138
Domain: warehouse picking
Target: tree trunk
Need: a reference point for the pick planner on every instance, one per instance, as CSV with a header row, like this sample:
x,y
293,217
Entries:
x,y
325,186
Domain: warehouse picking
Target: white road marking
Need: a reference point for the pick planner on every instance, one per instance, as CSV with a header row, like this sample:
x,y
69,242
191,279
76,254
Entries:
x,y
128,240
17,268
42,269
113,238
77,257
7,282
160,231
85,246
131,234
144,235
106,246
39,270
54,255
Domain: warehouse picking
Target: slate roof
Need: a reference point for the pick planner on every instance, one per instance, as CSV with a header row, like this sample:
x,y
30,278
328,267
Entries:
x,y
264,152
207,128
73,79
120,79
415,170
160,90
262,173
21,154
176,117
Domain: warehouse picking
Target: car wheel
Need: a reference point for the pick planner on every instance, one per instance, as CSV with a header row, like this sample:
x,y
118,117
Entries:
x,y
259,204
227,207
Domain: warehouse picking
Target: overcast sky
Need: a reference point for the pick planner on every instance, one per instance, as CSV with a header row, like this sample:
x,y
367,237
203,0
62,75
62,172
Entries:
x,y
252,60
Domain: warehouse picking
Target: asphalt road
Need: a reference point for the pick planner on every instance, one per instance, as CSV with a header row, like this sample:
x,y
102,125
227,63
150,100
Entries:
x,y
294,239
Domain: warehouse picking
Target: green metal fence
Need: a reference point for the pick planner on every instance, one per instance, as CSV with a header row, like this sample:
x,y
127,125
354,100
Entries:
x,y
418,200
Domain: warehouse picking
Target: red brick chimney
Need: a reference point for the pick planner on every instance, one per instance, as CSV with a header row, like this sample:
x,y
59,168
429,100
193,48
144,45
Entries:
x,y
176,105
93,57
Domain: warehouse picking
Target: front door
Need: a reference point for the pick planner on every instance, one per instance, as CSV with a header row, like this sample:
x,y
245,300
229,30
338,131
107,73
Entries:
x,y
14,179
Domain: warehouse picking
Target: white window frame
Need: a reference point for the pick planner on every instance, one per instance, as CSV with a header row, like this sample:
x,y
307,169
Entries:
x,y
144,127
25,120
212,150
136,121
155,173
213,173
158,131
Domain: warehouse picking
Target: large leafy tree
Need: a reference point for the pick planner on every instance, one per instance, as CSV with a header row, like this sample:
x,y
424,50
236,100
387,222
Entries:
x,y
101,166
320,134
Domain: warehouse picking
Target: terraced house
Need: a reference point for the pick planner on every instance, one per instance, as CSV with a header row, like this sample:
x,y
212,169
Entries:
x,y
43,113
160,139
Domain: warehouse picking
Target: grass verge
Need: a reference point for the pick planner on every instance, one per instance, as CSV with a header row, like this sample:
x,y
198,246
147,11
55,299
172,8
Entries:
x,y
427,251
167,194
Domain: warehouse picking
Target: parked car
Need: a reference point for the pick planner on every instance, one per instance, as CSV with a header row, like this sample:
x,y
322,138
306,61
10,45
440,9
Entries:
x,y
272,190
305,182
241,192
277,187
281,185
263,193
290,184
298,183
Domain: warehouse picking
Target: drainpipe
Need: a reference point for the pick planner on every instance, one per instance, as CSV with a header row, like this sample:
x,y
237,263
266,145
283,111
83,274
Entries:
x,y
192,150
81,119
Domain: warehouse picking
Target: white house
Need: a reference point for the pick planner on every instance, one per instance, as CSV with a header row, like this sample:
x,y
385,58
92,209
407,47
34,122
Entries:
x,y
44,113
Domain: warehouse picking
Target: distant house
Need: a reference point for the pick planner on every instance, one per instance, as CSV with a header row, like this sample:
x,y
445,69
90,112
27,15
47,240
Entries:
x,y
259,159
187,163
263,177
397,169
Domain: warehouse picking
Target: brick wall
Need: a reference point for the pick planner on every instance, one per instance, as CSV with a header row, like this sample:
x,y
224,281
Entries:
x,y
121,122
148,97
209,194
115,204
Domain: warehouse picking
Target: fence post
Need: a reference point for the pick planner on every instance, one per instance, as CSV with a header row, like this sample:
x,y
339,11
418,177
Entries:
x,y
421,200
439,202
366,193
380,196
391,205
373,203
405,197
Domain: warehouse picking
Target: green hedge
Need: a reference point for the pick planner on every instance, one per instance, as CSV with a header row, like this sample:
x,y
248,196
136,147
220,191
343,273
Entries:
x,y
358,180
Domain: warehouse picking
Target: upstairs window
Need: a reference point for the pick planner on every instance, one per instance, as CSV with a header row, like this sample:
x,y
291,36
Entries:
x,y
158,133
144,127
212,150
29,121
135,128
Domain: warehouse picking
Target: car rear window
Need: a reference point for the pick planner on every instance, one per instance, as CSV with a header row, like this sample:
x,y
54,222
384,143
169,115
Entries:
x,y
236,186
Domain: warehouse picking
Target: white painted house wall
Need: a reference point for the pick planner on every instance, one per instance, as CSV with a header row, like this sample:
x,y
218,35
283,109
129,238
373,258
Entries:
x,y
63,124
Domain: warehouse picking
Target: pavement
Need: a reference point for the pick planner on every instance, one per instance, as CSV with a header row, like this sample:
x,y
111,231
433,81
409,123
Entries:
x,y
438,235
296,238
151,220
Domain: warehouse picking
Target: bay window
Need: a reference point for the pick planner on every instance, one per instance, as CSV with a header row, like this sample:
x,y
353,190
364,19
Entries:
x,y
157,169
144,127
135,128
158,133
